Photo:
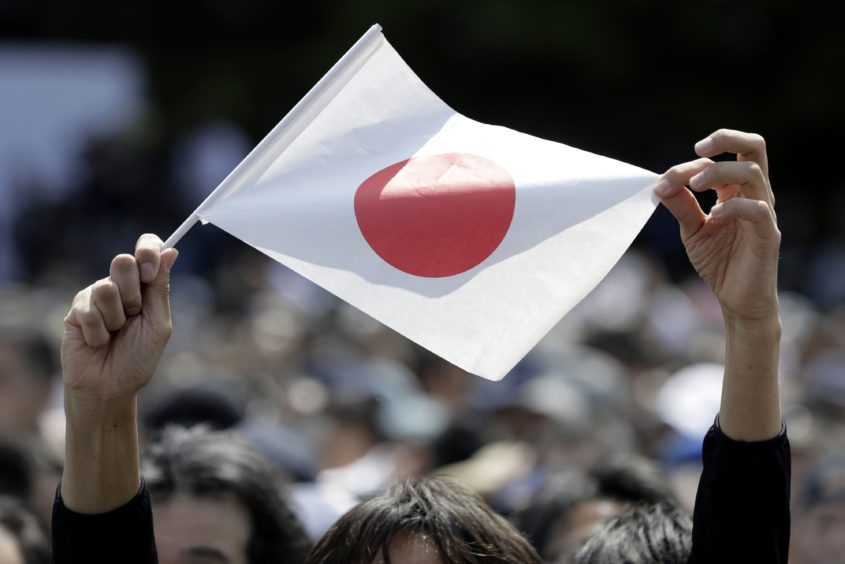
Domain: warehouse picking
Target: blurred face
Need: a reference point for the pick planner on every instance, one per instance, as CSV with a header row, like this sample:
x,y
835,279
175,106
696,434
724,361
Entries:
x,y
23,393
411,549
582,522
201,530
344,443
9,551
822,535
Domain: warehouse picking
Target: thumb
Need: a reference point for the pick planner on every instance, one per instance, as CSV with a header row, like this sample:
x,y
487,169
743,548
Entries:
x,y
157,293
683,205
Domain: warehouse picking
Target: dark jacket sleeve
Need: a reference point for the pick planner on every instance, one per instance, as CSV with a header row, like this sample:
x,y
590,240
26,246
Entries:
x,y
124,535
742,505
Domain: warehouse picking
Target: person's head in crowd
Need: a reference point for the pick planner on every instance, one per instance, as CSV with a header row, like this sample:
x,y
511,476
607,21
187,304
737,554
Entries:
x,y
15,469
632,478
27,369
216,498
821,515
207,406
21,539
29,471
351,430
573,504
429,521
566,510
657,533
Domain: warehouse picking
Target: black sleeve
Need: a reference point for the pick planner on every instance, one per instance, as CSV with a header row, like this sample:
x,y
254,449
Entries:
x,y
124,535
742,505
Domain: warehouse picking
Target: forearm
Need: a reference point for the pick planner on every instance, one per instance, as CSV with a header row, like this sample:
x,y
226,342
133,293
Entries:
x,y
750,409
101,470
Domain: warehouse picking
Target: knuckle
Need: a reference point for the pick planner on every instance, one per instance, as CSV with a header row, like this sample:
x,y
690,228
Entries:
x,y
673,174
720,135
756,170
80,298
104,290
89,317
758,140
122,263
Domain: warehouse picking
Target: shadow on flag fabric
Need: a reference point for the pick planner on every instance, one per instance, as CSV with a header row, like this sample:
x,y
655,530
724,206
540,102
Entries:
x,y
470,239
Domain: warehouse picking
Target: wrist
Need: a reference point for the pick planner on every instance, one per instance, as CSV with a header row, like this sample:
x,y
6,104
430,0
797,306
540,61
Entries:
x,y
101,469
750,407
98,411
767,327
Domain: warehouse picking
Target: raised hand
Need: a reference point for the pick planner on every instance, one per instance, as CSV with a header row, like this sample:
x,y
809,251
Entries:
x,y
115,334
734,248
117,327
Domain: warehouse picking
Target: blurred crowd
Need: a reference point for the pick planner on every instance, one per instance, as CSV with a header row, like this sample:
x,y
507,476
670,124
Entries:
x,y
609,410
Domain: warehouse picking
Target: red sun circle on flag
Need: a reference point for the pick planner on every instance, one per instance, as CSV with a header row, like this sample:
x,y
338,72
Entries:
x,y
436,216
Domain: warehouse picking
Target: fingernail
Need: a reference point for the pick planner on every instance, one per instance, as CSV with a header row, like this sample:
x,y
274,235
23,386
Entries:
x,y
696,181
704,146
170,260
662,188
147,271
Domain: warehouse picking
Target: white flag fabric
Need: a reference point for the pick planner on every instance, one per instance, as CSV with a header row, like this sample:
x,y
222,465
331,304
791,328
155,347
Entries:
x,y
470,239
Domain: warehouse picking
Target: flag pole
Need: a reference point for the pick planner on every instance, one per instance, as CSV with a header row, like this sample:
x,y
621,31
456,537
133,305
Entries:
x,y
181,230
286,131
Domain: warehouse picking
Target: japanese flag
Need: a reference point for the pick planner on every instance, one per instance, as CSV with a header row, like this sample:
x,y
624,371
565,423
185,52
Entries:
x,y
470,239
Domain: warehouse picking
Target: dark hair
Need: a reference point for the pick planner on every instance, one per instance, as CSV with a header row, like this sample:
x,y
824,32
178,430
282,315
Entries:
x,y
207,406
22,462
560,493
16,474
625,478
630,477
658,533
202,463
460,525
23,525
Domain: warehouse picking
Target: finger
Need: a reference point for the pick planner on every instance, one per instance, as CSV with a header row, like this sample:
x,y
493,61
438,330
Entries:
x,y
157,294
747,175
85,315
125,274
683,205
757,212
148,255
747,146
678,200
106,297
678,176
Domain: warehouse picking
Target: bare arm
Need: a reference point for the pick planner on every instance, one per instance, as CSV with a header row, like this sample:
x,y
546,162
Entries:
x,y
735,251
115,334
